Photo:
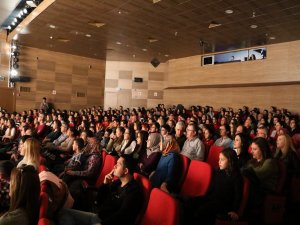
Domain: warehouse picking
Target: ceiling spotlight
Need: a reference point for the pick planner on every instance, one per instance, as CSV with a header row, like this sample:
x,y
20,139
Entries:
x,y
253,26
272,38
32,4
229,11
14,72
166,55
15,20
144,50
52,26
88,35
9,27
25,11
14,47
51,37
21,13
118,43
13,23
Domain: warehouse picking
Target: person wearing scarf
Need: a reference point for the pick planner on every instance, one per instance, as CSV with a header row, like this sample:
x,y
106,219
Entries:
x,y
152,155
164,177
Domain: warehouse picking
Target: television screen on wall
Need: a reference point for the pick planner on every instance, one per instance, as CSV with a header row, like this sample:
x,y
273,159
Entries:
x,y
236,56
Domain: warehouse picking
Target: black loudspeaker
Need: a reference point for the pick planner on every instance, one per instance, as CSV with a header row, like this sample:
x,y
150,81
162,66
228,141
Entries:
x,y
20,79
138,79
155,62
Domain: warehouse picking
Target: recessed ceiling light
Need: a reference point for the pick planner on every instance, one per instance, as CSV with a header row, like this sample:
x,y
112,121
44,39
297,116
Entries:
x,y
118,43
133,55
166,55
96,24
127,45
272,38
63,40
253,26
9,27
52,26
25,11
229,11
151,40
13,23
144,49
88,35
51,37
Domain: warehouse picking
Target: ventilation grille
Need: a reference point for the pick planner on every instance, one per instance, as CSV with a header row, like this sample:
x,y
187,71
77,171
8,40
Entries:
x,y
24,89
80,94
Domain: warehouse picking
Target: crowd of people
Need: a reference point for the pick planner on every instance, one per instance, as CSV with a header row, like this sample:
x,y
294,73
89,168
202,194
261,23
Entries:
x,y
148,141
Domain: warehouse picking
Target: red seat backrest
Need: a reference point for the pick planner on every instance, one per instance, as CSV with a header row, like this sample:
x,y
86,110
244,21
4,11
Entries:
x,y
185,162
146,188
44,221
197,180
44,201
108,165
282,173
245,197
162,209
213,156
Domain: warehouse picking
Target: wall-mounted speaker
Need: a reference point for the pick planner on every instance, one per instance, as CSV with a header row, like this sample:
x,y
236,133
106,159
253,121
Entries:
x,y
155,62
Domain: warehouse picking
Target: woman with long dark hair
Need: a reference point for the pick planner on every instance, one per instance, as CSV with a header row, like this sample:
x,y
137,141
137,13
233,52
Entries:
x,y
24,197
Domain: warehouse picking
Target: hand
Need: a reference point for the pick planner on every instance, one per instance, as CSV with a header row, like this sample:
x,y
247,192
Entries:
x,y
109,177
164,188
70,172
233,215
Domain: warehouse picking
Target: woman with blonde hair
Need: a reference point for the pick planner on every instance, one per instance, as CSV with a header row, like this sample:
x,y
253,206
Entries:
x,y
286,152
31,153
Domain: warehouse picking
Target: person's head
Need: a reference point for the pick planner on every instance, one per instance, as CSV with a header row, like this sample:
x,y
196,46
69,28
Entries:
x,y
120,131
224,130
32,151
293,123
153,140
11,123
125,166
284,143
262,132
64,127
179,128
228,161
165,129
240,143
191,131
78,145
25,191
6,167
154,128
260,149
44,99
239,129
129,134
71,132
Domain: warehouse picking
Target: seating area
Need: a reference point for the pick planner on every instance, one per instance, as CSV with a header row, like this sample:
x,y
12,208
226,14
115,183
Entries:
x,y
101,128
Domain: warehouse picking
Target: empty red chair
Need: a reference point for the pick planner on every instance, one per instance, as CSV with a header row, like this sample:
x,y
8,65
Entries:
x,y
197,180
146,188
109,163
213,156
162,209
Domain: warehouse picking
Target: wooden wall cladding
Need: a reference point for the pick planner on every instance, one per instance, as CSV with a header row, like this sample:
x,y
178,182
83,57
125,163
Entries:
x,y
4,62
281,67
59,77
120,88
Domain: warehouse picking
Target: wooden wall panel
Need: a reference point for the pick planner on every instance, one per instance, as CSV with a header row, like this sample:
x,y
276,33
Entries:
x,y
4,60
62,73
281,66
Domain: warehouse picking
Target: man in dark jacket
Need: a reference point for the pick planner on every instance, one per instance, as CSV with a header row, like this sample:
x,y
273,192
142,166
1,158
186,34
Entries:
x,y
119,201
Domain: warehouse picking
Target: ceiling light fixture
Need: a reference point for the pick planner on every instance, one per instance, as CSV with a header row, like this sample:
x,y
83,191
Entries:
x,y
96,24
144,49
51,37
155,1
229,11
118,43
25,11
272,38
214,24
88,35
166,55
253,26
52,26
32,4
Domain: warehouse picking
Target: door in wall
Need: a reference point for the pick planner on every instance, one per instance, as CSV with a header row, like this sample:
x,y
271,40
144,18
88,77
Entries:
x,y
7,99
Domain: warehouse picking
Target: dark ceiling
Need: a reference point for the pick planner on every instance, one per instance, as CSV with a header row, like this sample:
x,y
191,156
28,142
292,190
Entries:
x,y
138,30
